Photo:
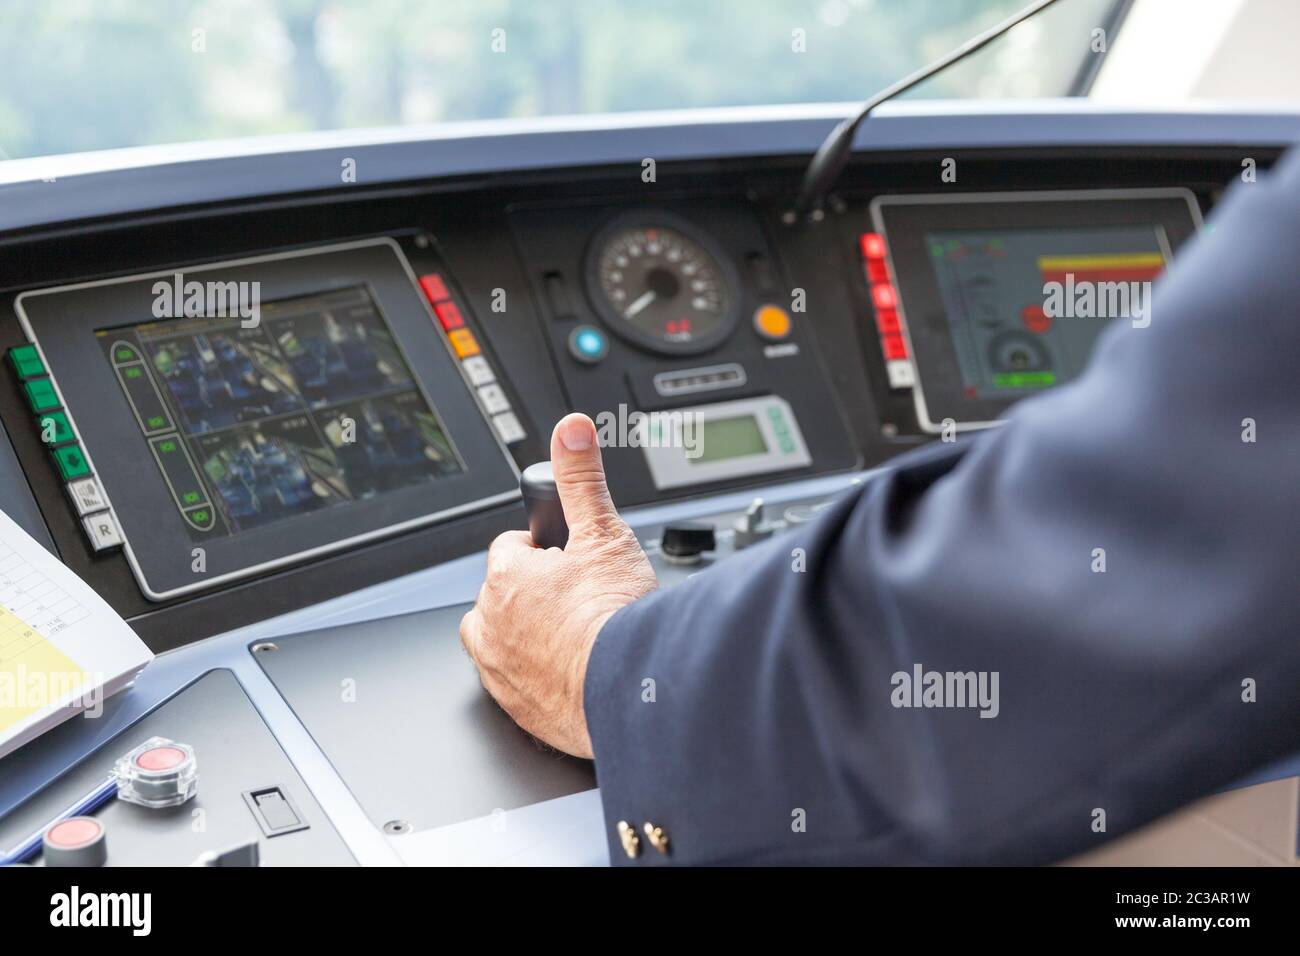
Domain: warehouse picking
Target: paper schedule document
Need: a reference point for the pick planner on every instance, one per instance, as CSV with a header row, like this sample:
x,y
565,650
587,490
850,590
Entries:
x,y
63,650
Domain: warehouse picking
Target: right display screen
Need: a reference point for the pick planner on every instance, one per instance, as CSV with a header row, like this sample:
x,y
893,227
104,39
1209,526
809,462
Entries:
x,y
1024,307
1002,296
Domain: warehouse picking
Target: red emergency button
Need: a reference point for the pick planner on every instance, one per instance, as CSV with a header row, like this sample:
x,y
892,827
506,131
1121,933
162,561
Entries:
x,y
76,841
434,287
160,758
76,831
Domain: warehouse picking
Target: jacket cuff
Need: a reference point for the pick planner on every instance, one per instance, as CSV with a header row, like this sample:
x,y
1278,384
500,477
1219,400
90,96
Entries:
x,y
613,702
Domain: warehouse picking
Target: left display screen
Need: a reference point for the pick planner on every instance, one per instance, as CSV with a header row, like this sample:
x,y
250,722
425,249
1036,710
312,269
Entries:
x,y
310,408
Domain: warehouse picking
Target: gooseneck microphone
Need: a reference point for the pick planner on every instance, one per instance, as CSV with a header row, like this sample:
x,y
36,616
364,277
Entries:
x,y
833,154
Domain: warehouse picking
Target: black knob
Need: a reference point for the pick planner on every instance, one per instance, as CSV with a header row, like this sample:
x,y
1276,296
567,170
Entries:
x,y
686,541
542,502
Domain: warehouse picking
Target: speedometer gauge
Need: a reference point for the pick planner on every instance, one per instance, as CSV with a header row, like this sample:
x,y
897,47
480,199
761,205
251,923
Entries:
x,y
659,283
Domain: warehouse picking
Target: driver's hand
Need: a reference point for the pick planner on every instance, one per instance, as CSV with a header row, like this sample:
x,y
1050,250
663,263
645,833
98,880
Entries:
x,y
539,611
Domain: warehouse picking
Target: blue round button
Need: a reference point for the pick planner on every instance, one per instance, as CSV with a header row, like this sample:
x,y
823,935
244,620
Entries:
x,y
588,344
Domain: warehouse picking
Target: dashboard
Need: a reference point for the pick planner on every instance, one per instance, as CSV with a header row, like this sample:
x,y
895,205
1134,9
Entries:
x,y
236,409
376,370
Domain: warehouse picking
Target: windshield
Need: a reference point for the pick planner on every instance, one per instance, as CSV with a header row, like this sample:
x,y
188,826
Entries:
x,y
98,74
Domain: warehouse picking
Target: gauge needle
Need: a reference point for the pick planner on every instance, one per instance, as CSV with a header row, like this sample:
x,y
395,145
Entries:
x,y
643,300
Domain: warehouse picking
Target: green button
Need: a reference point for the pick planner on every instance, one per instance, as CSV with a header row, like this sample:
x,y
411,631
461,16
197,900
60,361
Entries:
x,y
201,519
41,395
72,463
55,428
26,361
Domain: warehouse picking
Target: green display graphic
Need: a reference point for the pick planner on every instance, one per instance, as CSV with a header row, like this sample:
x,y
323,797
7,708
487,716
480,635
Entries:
x,y
1024,379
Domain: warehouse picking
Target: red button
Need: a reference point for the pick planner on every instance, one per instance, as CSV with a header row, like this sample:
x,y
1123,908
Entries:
x,y
449,315
882,296
77,831
894,346
1035,319
887,321
434,287
160,758
872,245
876,271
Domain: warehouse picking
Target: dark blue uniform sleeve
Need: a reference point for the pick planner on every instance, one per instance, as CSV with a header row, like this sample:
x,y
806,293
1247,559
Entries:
x,y
773,731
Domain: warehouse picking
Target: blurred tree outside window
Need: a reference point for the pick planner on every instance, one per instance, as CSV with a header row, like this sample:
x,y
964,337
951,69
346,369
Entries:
x,y
99,74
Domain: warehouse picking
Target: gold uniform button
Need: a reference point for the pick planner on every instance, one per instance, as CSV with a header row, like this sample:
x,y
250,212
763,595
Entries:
x,y
627,836
657,836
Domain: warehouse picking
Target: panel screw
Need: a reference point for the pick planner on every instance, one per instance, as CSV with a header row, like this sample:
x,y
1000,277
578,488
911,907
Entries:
x,y
265,647
397,827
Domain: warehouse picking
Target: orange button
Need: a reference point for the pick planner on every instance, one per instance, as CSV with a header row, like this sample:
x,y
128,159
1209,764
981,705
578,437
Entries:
x,y
772,322
463,341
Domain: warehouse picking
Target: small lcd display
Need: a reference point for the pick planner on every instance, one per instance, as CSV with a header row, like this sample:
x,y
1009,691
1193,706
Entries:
x,y
1025,306
723,438
312,408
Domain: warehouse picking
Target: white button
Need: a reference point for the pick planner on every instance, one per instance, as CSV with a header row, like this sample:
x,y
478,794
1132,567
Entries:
x,y
102,531
900,373
87,496
508,427
478,370
494,400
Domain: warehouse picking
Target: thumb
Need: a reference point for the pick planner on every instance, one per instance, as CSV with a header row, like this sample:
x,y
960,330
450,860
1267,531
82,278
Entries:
x,y
580,478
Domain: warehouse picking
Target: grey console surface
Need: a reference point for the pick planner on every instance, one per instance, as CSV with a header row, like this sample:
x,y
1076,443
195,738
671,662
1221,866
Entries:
x,y
235,751
398,709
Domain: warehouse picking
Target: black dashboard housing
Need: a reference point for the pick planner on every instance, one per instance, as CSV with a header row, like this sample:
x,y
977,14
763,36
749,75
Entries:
x,y
489,234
